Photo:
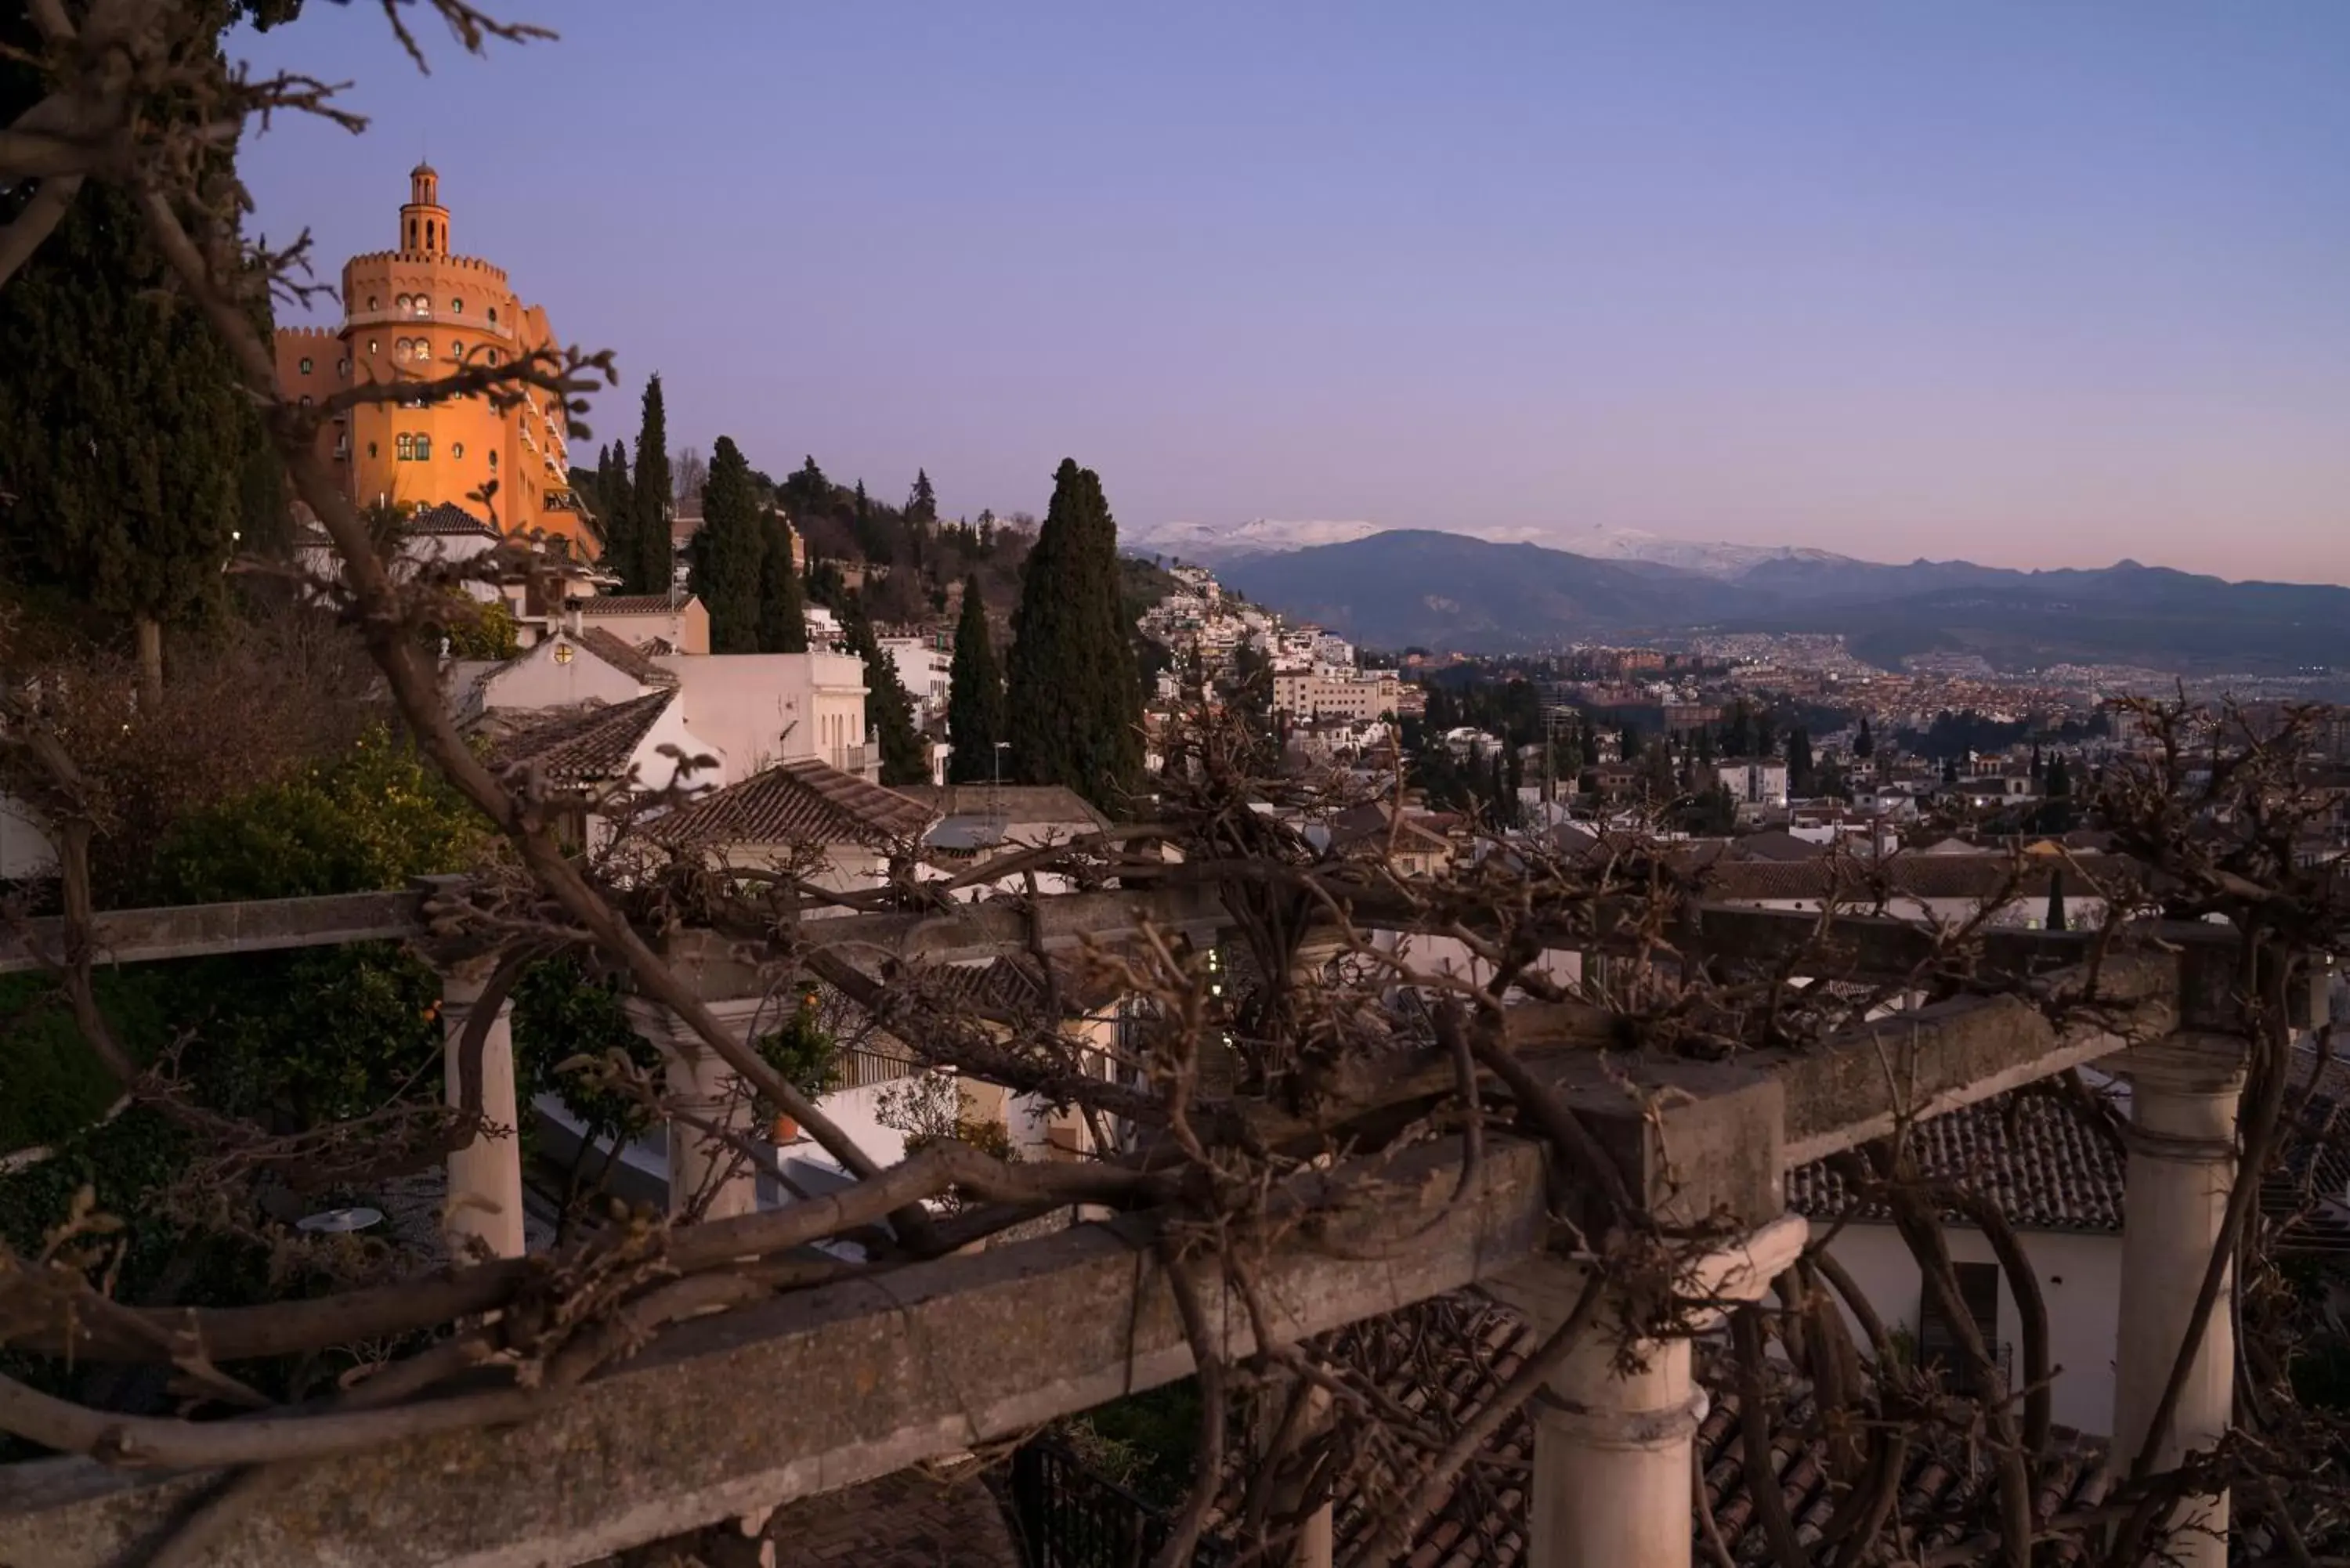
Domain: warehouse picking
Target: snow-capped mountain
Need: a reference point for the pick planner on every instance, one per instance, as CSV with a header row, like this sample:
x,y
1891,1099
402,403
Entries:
x,y
1209,544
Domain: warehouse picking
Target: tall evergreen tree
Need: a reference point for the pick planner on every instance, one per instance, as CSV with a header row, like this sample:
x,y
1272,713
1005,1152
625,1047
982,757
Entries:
x,y
975,693
1073,697
889,712
1799,760
783,606
124,437
1864,744
727,552
618,533
652,562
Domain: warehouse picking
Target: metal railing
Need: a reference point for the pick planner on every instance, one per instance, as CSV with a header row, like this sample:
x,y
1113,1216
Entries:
x,y
860,1069
1070,1517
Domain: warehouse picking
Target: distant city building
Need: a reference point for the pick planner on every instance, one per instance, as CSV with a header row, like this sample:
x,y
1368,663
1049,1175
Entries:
x,y
419,312
1337,694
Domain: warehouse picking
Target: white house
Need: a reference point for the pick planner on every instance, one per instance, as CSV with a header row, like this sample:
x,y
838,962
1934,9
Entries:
x,y
760,709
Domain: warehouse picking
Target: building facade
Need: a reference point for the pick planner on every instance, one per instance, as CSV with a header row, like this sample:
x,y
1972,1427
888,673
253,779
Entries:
x,y
411,315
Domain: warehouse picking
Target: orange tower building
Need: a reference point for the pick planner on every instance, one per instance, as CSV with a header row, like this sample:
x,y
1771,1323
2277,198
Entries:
x,y
414,314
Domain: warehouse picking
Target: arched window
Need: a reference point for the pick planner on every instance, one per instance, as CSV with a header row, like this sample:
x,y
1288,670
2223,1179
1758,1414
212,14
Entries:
x,y
428,241
404,447
456,307
493,356
343,367
494,457
399,303
371,347
400,349
305,367
305,399
373,303
371,449
457,448
423,349
493,315
423,449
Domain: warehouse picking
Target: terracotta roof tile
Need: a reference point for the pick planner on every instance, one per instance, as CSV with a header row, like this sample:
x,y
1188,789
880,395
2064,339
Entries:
x,y
2044,1166
629,604
623,657
806,802
584,745
447,519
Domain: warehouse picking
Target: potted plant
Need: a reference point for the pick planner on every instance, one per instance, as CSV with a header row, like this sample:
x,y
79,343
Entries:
x,y
804,1054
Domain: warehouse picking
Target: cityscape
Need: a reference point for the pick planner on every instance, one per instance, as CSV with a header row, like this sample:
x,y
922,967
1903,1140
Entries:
x,y
662,905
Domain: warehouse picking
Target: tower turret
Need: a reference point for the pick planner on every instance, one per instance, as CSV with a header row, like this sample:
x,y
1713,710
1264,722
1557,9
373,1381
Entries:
x,y
424,221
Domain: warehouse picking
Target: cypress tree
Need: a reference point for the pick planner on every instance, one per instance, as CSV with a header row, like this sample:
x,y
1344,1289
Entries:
x,y
1073,696
727,551
1799,760
124,437
1864,744
619,532
783,607
650,565
975,693
889,712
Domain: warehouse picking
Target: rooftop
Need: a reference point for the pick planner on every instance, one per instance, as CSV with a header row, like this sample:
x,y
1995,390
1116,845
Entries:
x,y
805,801
590,745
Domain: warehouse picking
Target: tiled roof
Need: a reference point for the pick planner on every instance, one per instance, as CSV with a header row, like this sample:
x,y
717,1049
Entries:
x,y
805,801
584,745
449,518
1014,984
1446,1358
1019,806
624,658
1367,827
629,604
2046,1167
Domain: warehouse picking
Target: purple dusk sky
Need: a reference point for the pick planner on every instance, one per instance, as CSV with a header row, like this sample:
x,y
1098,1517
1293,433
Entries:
x,y
2035,285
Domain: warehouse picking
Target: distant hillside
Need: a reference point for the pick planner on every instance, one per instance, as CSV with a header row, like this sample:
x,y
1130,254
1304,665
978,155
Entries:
x,y
1444,590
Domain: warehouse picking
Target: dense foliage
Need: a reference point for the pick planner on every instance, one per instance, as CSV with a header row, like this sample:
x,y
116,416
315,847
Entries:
x,y
728,552
1073,695
975,718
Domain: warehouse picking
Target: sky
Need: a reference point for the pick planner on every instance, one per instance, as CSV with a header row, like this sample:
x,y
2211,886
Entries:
x,y
2037,284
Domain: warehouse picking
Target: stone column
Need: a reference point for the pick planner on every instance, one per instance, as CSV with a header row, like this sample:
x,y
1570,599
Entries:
x,y
1312,1547
1613,1450
2182,1166
708,1090
485,1176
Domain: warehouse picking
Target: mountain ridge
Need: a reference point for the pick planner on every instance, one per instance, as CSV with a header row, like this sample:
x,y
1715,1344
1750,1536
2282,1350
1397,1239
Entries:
x,y
1404,587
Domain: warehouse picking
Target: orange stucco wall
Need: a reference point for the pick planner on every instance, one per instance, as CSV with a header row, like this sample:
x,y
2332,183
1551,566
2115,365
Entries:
x,y
420,312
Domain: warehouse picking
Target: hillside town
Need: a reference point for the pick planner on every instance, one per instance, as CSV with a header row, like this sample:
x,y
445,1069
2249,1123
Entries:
x,y
664,1007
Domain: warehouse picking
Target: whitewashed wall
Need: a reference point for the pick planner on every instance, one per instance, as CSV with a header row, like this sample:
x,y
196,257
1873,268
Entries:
x,y
2080,1279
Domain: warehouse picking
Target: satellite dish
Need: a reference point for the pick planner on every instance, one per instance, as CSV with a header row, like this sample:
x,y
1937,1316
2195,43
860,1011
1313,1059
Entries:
x,y
339,1221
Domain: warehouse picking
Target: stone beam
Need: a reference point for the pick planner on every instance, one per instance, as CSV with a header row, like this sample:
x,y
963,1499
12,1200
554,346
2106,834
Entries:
x,y
822,1390
208,930
1843,1092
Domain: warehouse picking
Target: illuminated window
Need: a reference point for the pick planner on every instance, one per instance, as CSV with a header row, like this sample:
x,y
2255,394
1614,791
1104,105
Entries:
x,y
305,399
305,367
374,303
456,449
370,345
404,448
399,349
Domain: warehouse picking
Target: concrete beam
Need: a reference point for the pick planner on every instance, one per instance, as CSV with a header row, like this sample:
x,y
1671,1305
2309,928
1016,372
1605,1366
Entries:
x,y
1846,1091
209,930
818,1390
